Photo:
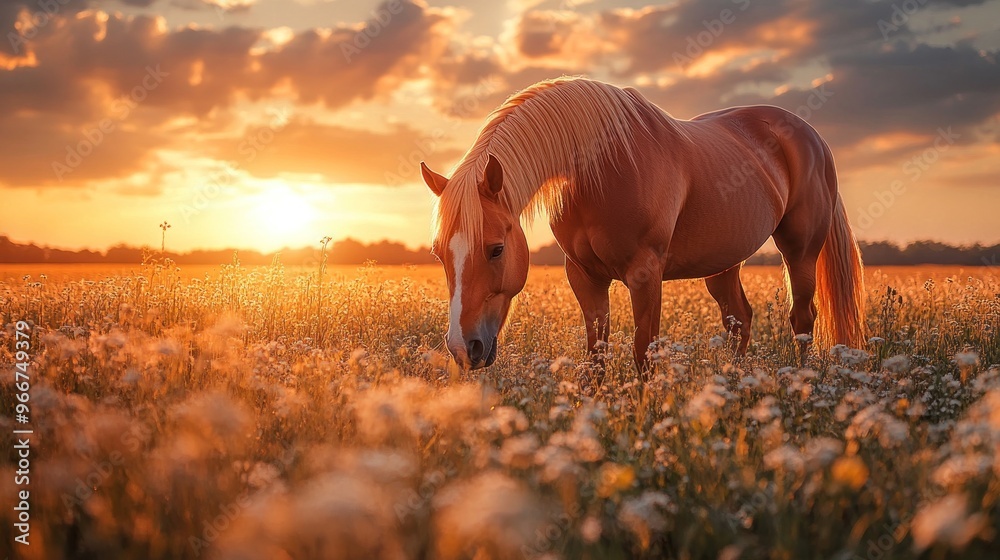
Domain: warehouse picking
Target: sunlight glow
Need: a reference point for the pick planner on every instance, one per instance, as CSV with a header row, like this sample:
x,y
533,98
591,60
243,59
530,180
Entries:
x,y
283,214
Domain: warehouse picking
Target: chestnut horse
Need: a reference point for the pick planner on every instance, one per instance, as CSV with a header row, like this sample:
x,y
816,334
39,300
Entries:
x,y
635,195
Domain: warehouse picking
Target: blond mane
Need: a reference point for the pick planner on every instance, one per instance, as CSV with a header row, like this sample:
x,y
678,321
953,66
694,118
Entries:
x,y
551,139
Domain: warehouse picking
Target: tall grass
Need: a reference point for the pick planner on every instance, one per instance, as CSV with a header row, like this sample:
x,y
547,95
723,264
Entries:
x,y
265,413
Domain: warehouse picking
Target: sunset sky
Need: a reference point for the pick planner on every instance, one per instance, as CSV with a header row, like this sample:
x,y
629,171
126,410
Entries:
x,y
269,123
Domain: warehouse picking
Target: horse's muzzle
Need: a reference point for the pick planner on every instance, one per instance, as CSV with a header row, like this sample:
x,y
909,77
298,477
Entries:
x,y
492,357
481,355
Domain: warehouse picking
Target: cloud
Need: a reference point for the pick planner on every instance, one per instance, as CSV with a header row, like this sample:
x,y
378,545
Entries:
x,y
361,61
78,66
338,154
546,34
21,17
224,5
40,149
75,72
696,56
919,90
332,66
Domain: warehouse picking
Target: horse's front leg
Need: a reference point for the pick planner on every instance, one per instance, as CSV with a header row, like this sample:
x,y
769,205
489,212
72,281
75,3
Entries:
x,y
592,293
645,283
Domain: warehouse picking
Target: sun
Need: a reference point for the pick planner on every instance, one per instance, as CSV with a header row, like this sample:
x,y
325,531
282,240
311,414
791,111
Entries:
x,y
283,214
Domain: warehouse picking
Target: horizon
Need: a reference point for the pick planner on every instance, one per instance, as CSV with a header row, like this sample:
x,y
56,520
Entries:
x,y
541,243
767,248
263,124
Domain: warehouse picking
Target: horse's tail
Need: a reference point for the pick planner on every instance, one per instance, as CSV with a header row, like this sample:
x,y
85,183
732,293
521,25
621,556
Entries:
x,y
840,284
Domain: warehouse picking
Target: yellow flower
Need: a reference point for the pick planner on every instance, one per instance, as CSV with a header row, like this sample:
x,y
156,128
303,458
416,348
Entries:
x,y
850,471
902,405
614,478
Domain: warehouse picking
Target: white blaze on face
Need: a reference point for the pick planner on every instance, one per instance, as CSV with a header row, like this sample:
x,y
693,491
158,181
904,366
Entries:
x,y
459,246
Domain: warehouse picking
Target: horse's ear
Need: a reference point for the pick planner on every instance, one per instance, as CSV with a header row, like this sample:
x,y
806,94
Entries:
x,y
435,181
493,178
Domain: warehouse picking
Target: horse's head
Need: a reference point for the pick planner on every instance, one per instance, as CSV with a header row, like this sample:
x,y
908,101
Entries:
x,y
485,266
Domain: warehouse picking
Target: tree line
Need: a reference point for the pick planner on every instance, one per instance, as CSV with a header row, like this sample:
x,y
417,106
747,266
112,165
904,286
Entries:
x,y
350,251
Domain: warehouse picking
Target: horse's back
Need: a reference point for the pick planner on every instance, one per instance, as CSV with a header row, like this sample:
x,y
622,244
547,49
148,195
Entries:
x,y
780,138
705,199
737,187
803,155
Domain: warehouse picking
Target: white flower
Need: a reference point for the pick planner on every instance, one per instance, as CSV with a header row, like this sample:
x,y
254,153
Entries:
x,y
706,405
167,347
962,468
645,516
749,383
359,357
852,357
785,458
766,410
519,452
590,530
822,451
967,359
490,511
946,521
560,363
899,363
872,420
263,474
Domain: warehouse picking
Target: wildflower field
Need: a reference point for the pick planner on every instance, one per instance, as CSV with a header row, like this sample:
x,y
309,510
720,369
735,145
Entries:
x,y
275,413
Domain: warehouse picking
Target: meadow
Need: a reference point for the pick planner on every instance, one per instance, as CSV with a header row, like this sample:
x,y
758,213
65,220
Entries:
x,y
274,413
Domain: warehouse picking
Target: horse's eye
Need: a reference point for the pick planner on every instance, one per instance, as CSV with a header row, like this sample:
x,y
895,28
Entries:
x,y
496,252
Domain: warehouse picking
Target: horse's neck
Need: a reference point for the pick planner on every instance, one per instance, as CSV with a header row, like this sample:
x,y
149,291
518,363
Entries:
x,y
545,196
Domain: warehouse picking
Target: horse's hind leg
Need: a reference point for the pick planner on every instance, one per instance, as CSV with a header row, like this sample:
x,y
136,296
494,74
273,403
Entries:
x,y
737,314
800,239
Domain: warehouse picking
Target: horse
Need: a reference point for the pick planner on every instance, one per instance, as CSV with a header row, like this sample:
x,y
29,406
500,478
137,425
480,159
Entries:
x,y
636,195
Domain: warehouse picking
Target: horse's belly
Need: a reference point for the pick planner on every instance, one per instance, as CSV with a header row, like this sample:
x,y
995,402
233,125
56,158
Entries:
x,y
709,239
702,265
